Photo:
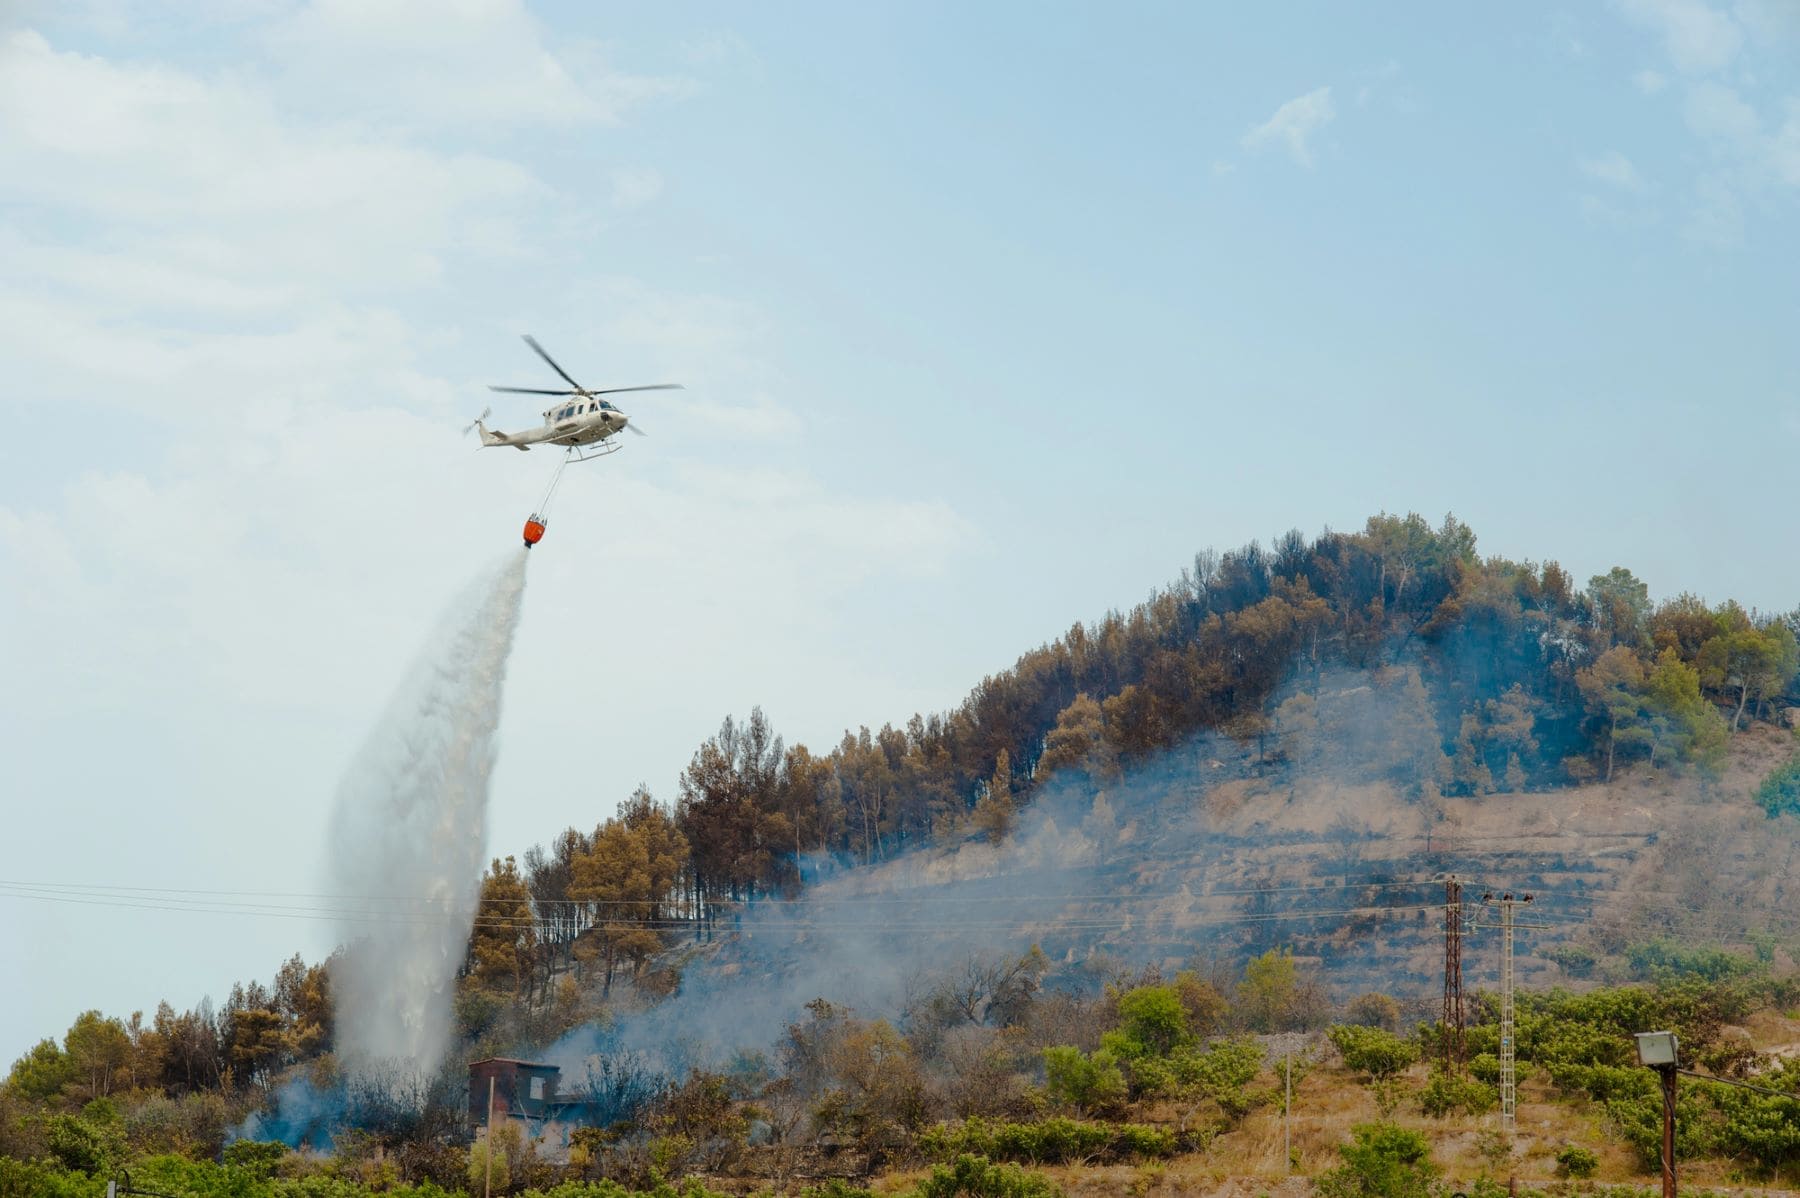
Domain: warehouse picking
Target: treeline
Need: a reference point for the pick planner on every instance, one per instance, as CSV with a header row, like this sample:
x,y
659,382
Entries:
x,y
1395,652
999,1060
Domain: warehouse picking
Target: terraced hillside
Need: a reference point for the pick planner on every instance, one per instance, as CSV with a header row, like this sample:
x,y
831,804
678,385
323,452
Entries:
x,y
1219,855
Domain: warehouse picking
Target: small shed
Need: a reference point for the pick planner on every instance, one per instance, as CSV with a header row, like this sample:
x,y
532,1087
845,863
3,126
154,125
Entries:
x,y
522,1089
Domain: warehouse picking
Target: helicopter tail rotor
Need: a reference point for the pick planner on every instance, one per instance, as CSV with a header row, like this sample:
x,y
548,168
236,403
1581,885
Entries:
x,y
476,423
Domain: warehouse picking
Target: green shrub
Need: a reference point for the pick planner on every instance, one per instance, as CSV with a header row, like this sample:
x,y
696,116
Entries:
x,y
1382,1161
836,1187
1374,1010
1663,958
1093,1083
978,1177
690,1188
1577,1162
1222,1073
1780,791
1576,961
27,1179
1444,1095
258,1158
1371,1051
84,1145
1152,1023
1050,1142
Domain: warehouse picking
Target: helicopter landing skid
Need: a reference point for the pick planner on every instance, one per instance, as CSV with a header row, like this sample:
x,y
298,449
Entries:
x,y
587,453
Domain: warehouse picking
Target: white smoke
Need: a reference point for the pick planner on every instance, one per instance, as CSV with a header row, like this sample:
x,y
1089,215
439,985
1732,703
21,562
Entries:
x,y
410,831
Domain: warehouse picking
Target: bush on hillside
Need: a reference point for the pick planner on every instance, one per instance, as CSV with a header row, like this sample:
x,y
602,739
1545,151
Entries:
x,y
85,1145
1371,1051
978,1177
255,1157
1050,1142
1666,959
1092,1083
1577,1162
1382,1161
1374,1010
1444,1095
1152,1023
1780,791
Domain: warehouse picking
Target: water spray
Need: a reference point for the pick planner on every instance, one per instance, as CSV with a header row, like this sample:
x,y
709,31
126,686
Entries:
x,y
411,824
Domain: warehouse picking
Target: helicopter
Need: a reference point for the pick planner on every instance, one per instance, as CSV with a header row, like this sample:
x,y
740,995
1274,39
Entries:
x,y
583,421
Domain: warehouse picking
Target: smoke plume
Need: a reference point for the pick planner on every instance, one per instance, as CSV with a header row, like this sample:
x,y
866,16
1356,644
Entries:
x,y
409,833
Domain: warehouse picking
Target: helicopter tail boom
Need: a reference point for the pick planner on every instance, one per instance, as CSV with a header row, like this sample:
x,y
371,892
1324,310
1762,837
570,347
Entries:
x,y
493,437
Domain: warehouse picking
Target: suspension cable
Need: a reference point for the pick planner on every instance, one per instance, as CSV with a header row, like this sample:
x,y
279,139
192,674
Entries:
x,y
543,509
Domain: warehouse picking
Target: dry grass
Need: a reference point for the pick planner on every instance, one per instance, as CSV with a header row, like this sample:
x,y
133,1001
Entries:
x,y
1248,1161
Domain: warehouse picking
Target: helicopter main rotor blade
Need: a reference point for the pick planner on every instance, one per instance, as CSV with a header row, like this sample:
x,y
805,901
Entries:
x,y
650,387
533,391
632,426
532,342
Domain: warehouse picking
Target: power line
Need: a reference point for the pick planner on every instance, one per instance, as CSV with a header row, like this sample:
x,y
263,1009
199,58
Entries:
x,y
771,919
810,896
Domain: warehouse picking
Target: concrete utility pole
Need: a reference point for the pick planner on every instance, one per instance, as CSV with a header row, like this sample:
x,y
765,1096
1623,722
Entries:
x,y
1287,1110
487,1188
1508,1041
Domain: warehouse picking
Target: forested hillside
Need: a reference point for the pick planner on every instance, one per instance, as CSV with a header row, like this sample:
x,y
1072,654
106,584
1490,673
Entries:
x,y
1395,660
1484,676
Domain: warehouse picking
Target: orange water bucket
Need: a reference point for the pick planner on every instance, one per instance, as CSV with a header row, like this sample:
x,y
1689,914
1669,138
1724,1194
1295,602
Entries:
x,y
534,531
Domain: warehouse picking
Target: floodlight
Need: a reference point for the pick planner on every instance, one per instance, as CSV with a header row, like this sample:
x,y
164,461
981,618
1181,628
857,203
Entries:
x,y
1656,1049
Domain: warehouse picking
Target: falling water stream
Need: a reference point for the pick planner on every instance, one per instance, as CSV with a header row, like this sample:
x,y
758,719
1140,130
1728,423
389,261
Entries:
x,y
409,832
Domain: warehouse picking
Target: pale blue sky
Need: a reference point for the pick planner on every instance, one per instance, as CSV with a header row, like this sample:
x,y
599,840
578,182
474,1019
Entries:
x,y
990,316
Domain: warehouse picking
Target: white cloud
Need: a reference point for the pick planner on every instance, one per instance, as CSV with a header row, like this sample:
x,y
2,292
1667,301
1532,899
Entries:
x,y
1294,125
255,314
1776,20
1697,37
635,186
188,178
1374,79
1735,130
1613,169
718,47
460,64
1784,147
1719,113
1751,135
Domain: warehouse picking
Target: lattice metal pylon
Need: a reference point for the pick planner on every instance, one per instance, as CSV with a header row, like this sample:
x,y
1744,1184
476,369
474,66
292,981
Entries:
x,y
1455,1020
1508,1035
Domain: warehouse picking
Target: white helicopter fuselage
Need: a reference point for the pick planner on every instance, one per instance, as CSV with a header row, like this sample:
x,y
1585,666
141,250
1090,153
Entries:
x,y
583,420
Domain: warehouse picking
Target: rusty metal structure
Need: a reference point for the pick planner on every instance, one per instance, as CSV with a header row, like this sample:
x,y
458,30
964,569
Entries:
x,y
1455,1018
